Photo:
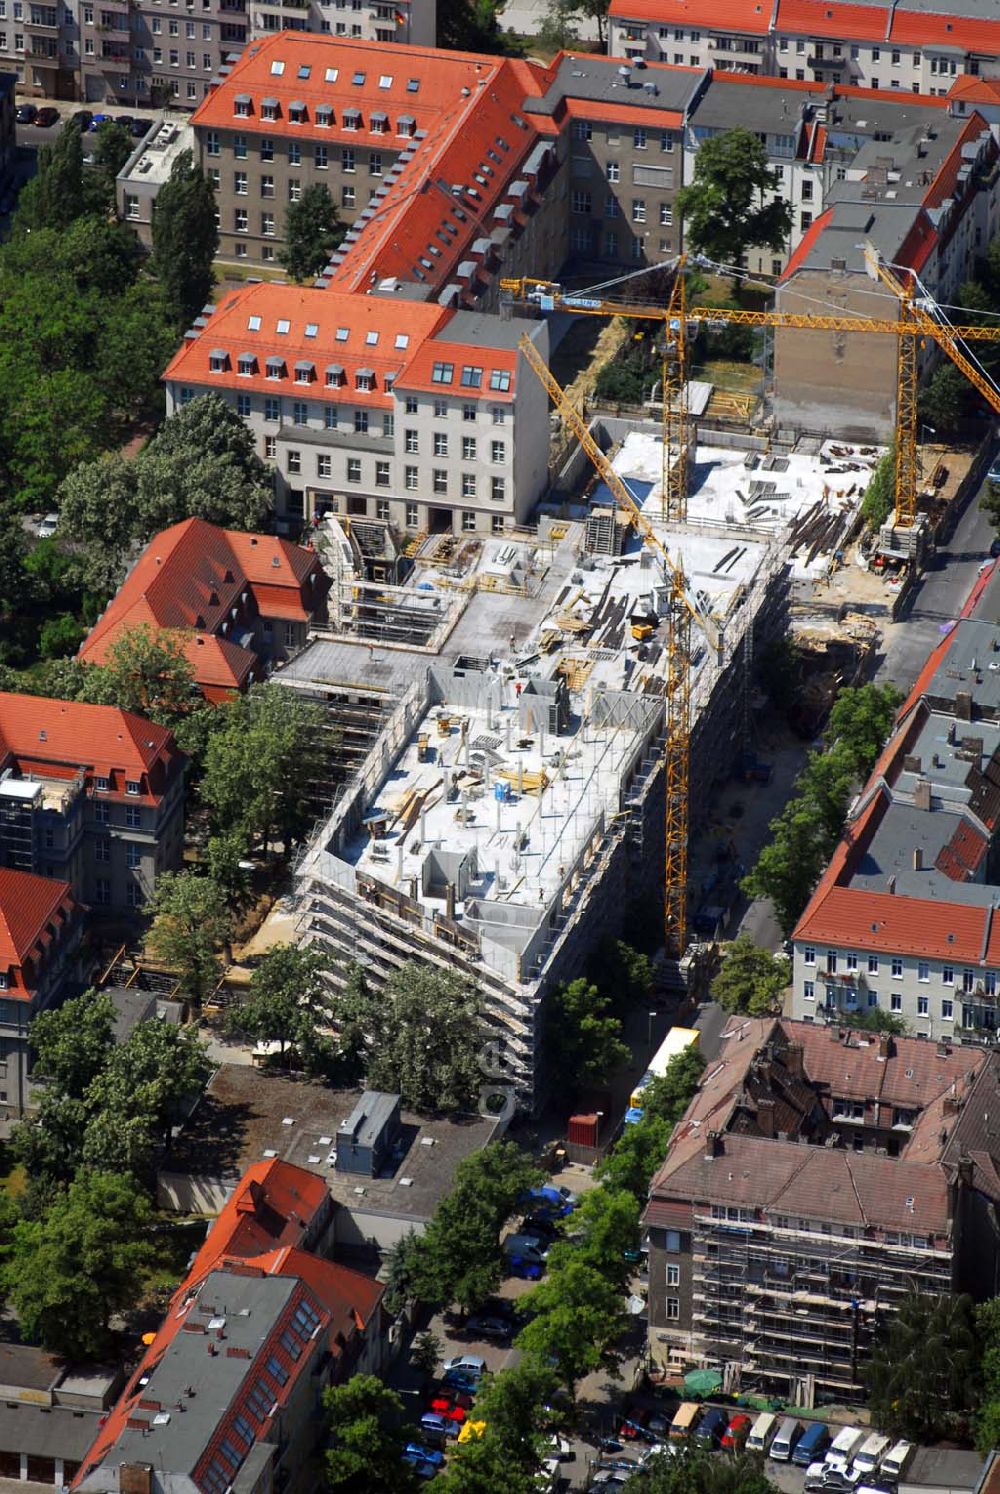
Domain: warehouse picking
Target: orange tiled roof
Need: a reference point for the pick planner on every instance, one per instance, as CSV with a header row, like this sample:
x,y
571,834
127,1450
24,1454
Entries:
x,y
753,16
27,905
495,369
925,29
976,90
366,339
666,119
72,735
834,19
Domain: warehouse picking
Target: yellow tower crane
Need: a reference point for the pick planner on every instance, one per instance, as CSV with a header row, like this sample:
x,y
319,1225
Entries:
x,y
684,609
914,323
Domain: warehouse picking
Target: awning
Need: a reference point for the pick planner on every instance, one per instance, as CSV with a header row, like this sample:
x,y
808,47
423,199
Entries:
x,y
218,353
334,368
269,103
243,98
378,115
406,119
366,373
703,1382
275,362
297,106
305,367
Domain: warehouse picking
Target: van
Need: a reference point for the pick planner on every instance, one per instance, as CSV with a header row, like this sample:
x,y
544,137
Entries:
x,y
685,1416
785,1439
843,1447
526,1248
812,1444
868,1457
711,1428
761,1432
895,1462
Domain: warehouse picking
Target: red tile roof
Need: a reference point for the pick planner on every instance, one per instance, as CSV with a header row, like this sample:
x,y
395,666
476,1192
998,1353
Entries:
x,y
273,1204
834,19
491,361
807,243
976,90
28,904
190,578
662,119
373,335
67,735
907,925
921,28
749,16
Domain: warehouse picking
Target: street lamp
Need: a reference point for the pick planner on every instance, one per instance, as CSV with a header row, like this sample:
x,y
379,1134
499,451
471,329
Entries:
x,y
649,1035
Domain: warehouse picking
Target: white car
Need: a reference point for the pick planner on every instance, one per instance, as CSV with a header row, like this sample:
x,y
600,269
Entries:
x,y
466,1364
48,526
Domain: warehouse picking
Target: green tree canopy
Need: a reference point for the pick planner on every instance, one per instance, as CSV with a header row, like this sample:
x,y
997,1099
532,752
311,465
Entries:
x,y
694,1471
880,495
185,239
860,722
54,196
733,202
72,1042
577,1316
367,1438
146,671
944,401
424,1039
287,1000
642,1147
605,1235
923,1379
69,1271
583,1036
750,979
312,232
191,923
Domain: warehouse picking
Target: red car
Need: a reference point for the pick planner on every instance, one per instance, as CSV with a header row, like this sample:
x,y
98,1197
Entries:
x,y
447,1409
736,1433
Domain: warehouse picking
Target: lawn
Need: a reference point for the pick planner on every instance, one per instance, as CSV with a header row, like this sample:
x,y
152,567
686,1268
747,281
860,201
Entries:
x,y
727,374
174,1242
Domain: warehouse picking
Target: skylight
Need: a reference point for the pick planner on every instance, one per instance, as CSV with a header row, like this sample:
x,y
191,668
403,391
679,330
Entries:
x,y
371,338
312,329
304,70
277,68
358,79
385,81
413,85
343,333
283,327
254,324
402,340
332,73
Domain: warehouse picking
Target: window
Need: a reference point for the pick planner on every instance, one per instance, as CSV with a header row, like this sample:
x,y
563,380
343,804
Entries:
x,y
294,153
270,447
382,477
102,814
132,786
612,208
324,466
375,163
244,405
348,162
895,1002
440,409
990,982
439,480
809,990
411,404
212,143
102,849
873,964
240,147
411,443
272,408
300,412
947,1011
613,170
666,216
469,412
582,129
241,220
267,225
639,138
498,489
472,377
851,961
809,955
468,485
347,197
468,448
468,522
673,1308
498,451
411,481
103,890
947,975
388,425
133,817
294,191
581,201
361,422
638,210
382,506
666,140
133,856
897,967
295,462
923,1006
442,373
353,469
500,380
321,157
267,186
440,444
673,1276
923,970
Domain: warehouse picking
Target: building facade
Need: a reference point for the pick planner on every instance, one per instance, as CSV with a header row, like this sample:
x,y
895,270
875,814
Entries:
x,y
815,1180
41,925
90,795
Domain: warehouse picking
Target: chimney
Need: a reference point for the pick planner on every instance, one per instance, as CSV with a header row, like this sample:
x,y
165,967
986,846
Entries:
x,y
795,1059
886,1047
765,1117
449,900
135,1478
922,794
891,884
918,859
963,705
952,1105
713,1145
965,1171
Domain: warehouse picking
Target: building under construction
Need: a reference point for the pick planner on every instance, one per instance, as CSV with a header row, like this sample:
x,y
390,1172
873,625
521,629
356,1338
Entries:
x,y
502,701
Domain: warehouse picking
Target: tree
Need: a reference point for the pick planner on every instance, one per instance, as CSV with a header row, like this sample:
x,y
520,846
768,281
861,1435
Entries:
x,y
286,1001
693,1471
146,671
312,232
54,197
112,147
96,509
873,1019
60,635
514,1405
191,922
426,1045
267,749
642,1147
788,867
368,1438
557,29
134,350
923,1379
605,1230
185,239
482,1466
750,979
585,1036
880,495
860,722
72,1042
577,1316
70,1271
988,1413
943,401
202,463
725,208
624,972
425,1356
472,26
150,1077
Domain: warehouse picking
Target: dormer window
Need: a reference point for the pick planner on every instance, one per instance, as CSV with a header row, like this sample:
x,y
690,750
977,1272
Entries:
x,y
297,112
379,123
324,116
3,980
218,360
442,373
335,378
246,365
406,125
243,105
132,786
351,119
305,372
275,368
100,784
269,109
365,379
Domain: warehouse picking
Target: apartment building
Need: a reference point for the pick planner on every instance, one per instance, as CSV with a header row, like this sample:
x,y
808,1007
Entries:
x,y
910,46
903,918
925,195
260,1326
411,422
410,21
148,52
816,1178
41,925
237,603
90,795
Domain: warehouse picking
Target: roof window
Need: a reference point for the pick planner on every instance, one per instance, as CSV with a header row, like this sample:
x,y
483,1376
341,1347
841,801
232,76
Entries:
x,y
253,324
343,333
413,85
364,379
385,81
277,68
371,338
305,70
402,340
442,373
242,104
324,114
283,327
332,74
500,379
305,372
312,329
269,108
472,377
359,79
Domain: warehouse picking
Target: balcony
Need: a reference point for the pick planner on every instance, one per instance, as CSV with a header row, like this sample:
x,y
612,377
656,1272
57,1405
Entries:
x,y
43,22
821,64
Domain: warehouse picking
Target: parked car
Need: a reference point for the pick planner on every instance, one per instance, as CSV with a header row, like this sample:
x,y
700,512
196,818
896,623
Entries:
x,y
711,1427
634,1431
526,1247
836,1482
547,1199
97,120
558,1447
896,1461
441,1397
525,1270
466,1364
457,1380
815,1481
541,1225
441,1406
48,526
140,128
47,117
812,1444
425,1460
436,1429
81,118
491,1325
737,1432
26,113
125,120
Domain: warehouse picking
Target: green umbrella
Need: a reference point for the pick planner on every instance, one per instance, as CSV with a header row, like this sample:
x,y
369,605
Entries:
x,y
703,1381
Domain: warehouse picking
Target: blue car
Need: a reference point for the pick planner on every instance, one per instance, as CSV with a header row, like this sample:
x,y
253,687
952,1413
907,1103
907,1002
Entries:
x,y
526,1270
456,1380
438,1428
555,1201
417,1454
